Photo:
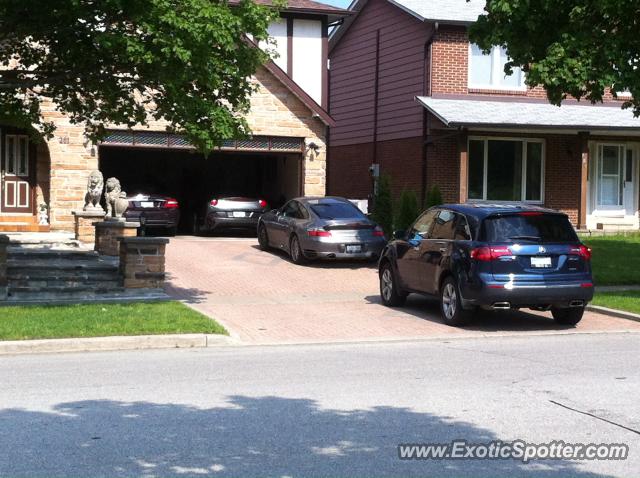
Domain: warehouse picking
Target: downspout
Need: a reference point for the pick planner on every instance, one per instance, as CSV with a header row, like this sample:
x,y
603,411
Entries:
x,y
427,91
376,94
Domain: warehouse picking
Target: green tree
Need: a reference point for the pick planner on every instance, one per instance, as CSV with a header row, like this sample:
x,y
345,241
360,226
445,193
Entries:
x,y
433,198
130,61
383,205
408,210
579,48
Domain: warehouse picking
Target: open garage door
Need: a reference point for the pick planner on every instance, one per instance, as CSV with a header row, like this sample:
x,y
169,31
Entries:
x,y
194,179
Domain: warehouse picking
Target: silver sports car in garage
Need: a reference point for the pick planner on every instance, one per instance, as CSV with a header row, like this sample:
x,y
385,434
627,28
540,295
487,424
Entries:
x,y
321,228
234,213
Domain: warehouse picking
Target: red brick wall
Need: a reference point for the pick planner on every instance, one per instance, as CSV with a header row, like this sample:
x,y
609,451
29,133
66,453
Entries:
x,y
349,167
443,166
450,67
562,175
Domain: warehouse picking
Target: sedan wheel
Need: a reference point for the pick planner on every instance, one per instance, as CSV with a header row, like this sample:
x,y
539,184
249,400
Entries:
x,y
295,251
451,305
263,237
390,291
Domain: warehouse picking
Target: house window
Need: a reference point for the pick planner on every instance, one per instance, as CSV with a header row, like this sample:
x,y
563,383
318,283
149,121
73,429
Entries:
x,y
506,169
487,71
17,155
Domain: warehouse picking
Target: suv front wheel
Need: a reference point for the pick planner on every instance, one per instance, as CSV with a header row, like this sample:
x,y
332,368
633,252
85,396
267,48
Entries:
x,y
390,292
451,304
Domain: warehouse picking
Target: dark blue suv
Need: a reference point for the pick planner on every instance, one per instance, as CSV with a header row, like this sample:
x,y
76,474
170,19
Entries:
x,y
496,257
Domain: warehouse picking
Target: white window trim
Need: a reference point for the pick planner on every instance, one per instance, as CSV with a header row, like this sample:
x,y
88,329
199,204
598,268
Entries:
x,y
523,188
497,71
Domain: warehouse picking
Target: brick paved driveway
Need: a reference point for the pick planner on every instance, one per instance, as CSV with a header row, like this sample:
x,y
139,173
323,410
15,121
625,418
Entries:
x,y
261,297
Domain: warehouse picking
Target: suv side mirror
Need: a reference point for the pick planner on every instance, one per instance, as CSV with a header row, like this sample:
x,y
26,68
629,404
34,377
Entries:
x,y
399,234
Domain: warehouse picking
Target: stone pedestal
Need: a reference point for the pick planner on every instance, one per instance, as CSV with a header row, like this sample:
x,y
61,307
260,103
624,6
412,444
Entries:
x,y
4,243
108,232
142,261
84,229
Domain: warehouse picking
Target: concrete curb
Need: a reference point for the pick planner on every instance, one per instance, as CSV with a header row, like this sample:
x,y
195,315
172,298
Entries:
x,y
95,344
620,314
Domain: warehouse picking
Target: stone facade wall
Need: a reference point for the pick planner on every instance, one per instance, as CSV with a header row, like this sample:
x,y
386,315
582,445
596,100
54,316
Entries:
x,y
275,111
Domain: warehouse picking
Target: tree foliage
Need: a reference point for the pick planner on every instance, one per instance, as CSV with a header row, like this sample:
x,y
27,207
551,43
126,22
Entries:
x,y
577,48
130,61
407,211
433,197
383,205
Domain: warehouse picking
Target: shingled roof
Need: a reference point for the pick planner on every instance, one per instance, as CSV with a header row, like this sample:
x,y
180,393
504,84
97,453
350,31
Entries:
x,y
305,6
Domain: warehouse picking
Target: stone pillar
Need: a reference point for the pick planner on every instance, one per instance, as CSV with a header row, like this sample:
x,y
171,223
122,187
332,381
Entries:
x,y
4,243
142,261
108,232
84,229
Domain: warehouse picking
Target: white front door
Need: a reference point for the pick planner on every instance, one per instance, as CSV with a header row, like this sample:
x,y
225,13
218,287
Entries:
x,y
629,193
614,184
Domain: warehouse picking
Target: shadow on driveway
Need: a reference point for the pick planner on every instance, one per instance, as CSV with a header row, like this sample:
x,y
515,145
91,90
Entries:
x,y
249,436
428,309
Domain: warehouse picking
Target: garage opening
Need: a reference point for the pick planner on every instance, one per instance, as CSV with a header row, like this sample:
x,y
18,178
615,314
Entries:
x,y
194,179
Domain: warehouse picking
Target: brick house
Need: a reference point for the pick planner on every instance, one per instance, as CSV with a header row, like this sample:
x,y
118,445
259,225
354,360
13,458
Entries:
x,y
411,94
286,156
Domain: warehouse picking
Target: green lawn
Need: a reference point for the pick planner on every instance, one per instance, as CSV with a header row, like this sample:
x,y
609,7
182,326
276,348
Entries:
x,y
628,300
101,320
616,259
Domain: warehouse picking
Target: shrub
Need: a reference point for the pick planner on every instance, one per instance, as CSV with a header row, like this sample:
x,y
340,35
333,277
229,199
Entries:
x,y
383,205
408,210
433,198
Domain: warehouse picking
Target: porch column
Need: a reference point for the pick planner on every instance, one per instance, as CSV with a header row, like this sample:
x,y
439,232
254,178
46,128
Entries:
x,y
463,187
584,176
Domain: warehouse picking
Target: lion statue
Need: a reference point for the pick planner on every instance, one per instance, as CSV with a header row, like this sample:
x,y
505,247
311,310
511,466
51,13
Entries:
x,y
95,185
115,198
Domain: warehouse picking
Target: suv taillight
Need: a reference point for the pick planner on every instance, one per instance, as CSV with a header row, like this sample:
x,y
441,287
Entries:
x,y
582,251
262,203
170,204
487,254
378,232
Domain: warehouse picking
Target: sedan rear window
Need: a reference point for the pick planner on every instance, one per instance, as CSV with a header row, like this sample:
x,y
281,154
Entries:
x,y
541,228
336,210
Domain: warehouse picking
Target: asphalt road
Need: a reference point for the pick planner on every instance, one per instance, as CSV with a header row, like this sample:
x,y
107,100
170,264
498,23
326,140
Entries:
x,y
334,410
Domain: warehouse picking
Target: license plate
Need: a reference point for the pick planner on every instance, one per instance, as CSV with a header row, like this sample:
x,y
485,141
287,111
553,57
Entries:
x,y
541,262
146,204
353,249
239,214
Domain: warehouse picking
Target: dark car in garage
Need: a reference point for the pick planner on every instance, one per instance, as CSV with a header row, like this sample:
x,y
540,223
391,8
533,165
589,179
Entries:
x,y
321,228
233,212
154,211
497,257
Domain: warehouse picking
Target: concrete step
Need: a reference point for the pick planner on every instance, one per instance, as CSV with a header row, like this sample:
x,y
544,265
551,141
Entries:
x,y
120,295
21,218
22,227
53,265
62,285
53,291
18,274
45,254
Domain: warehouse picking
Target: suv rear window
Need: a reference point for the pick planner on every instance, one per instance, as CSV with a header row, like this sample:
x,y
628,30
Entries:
x,y
336,210
542,228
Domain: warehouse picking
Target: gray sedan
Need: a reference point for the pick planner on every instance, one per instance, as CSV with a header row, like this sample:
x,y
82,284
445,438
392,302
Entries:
x,y
321,228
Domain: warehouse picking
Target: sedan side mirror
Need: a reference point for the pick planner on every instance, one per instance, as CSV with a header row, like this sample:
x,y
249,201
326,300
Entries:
x,y
399,234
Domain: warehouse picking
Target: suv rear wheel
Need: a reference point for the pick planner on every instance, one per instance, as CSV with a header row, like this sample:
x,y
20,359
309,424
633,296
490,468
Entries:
x,y
567,316
390,292
451,304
